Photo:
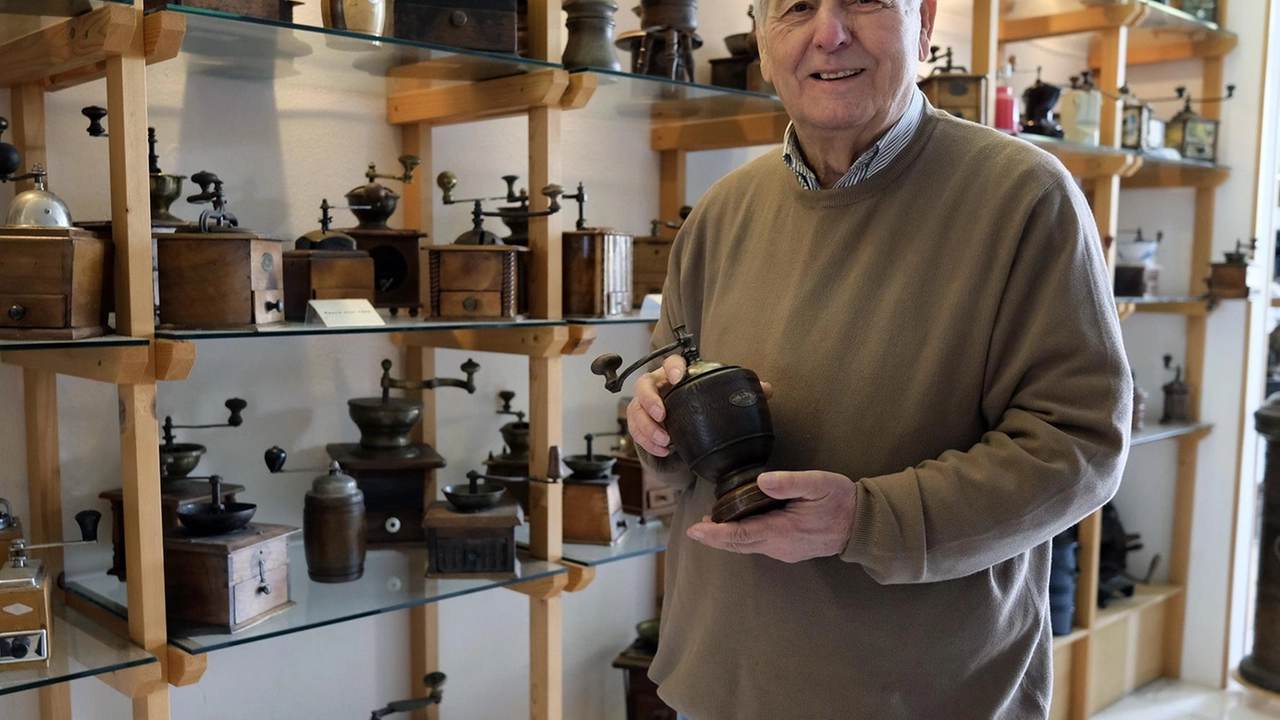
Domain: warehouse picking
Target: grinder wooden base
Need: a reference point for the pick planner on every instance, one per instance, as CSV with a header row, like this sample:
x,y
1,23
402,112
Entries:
x,y
228,581
393,490
174,494
472,545
743,502
593,511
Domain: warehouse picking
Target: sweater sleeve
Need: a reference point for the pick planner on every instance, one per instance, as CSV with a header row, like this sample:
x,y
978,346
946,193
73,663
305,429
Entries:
x,y
1057,401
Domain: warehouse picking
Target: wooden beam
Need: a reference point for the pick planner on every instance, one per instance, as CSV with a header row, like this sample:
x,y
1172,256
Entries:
x,y
545,167
136,682
1089,535
424,620
55,702
1148,47
28,131
1105,196
542,588
544,30
67,45
580,576
732,132
140,468
116,365
1080,677
185,668
986,48
546,500
162,36
174,359
535,341
546,658
1087,19
1158,174
1113,46
1191,309
673,184
99,615
44,466
475,101
130,192
582,87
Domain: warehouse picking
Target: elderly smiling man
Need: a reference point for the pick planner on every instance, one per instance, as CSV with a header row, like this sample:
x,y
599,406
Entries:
x,y
948,388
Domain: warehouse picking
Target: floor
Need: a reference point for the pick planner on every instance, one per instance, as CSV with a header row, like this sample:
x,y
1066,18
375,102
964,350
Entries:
x,y
1167,699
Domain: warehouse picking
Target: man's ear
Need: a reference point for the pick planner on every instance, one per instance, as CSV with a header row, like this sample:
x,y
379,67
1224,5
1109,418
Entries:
x,y
928,12
766,73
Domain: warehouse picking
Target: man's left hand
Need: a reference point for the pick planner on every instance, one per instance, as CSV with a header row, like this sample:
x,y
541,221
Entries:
x,y
817,522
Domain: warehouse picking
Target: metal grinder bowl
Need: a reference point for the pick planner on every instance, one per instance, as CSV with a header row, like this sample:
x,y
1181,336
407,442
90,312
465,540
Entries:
x,y
384,424
177,460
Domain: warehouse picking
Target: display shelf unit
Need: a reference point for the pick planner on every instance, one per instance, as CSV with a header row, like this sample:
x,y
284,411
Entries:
x,y
80,648
1134,641
640,539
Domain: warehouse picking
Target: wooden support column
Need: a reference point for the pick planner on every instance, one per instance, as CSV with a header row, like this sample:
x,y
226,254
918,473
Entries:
x,y
1105,200
28,129
986,48
1081,688
1180,552
672,194
1089,534
1113,46
424,620
545,167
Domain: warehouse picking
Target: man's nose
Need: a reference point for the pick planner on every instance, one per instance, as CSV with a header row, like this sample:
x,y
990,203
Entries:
x,y
832,30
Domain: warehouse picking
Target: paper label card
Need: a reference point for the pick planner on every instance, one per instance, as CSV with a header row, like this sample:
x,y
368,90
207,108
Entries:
x,y
343,313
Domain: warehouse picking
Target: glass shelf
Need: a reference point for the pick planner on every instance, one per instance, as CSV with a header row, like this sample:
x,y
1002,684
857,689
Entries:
x,y
628,96
1155,432
639,539
629,319
79,649
1161,299
1058,145
98,342
401,323
1171,19
227,45
393,580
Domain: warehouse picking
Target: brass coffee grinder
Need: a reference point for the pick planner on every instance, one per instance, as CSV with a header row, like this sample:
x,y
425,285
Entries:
x,y
479,276
471,533
597,264
390,469
952,88
511,467
590,25
592,500
394,252
1230,279
718,420
1177,396
26,626
55,281
333,522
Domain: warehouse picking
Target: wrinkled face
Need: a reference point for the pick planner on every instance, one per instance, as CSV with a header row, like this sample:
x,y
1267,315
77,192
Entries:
x,y
844,64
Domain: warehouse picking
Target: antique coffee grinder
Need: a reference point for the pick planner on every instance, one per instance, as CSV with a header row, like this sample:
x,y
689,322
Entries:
x,y
434,682
590,24
592,501
25,586
1194,136
275,10
1230,279
1262,666
1081,111
670,37
1137,273
215,274
511,468
741,70
719,423
490,25
1177,397
10,527
333,522
325,265
55,283
1140,129
651,254
478,276
597,264
1038,101
395,252
392,470
1139,405
472,531
642,492
177,460
952,88
165,188
223,571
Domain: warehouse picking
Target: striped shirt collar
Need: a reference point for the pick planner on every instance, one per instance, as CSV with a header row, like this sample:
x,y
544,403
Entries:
x,y
875,159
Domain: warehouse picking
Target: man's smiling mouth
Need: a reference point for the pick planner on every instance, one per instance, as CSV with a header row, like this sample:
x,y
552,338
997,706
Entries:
x,y
839,75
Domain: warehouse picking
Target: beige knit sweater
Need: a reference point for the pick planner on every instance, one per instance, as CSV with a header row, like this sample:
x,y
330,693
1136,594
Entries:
x,y
945,335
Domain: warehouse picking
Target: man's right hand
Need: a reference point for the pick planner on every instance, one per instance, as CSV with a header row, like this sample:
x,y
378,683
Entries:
x,y
647,411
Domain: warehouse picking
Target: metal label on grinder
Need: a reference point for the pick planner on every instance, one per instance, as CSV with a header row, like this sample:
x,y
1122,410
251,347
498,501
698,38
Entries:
x,y
18,609
743,398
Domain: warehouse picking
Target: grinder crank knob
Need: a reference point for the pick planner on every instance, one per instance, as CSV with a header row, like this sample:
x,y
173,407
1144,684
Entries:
x,y
470,367
275,457
447,181
236,406
95,115
434,682
19,647
88,521
607,367
409,162
554,192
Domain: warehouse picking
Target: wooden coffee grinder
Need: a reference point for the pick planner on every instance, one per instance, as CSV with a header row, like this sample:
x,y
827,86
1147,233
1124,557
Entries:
x,y
1230,279
54,278
26,623
395,253
10,527
650,256
511,467
952,88
592,502
333,522
390,469
325,265
1177,396
472,532
642,492
597,268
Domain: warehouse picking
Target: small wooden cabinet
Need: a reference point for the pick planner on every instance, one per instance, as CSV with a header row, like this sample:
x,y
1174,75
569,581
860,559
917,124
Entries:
x,y
54,283
473,281
228,581
325,275
220,280
472,545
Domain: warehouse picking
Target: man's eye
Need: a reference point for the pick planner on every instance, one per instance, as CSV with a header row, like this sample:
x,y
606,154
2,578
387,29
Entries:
x,y
800,7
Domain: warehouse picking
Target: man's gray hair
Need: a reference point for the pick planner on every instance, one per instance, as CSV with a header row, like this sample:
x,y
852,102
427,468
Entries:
x,y
760,10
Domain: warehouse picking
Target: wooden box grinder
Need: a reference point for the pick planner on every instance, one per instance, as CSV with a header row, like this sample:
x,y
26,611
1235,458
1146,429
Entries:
x,y
470,24
280,10
26,629
219,280
467,545
228,581
174,494
393,489
473,281
593,511
642,493
325,275
597,273
960,94
650,256
54,283
396,263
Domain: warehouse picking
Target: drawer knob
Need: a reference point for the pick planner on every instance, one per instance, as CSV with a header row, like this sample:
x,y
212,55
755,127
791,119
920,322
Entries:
x,y
276,305
17,313
19,647
265,587
470,304
458,18
392,525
